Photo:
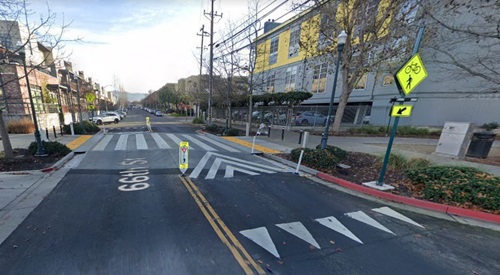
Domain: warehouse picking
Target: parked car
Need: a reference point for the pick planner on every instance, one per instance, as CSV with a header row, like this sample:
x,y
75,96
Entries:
x,y
116,114
158,113
310,118
106,118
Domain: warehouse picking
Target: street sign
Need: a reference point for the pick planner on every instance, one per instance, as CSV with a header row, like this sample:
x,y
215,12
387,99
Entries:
x,y
411,74
183,156
401,110
90,97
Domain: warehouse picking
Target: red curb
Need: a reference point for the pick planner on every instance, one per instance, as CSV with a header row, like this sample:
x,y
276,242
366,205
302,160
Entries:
x,y
48,169
452,210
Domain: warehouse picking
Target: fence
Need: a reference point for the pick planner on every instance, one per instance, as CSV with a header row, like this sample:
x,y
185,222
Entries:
x,y
301,116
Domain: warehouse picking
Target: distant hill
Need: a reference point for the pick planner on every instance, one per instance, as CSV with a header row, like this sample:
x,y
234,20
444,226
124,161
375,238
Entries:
x,y
135,96
131,96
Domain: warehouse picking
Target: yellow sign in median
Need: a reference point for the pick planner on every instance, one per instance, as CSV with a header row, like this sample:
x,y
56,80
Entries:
x,y
412,73
401,110
183,156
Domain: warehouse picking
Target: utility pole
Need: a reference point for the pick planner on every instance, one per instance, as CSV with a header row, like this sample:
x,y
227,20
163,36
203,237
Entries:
x,y
202,34
211,71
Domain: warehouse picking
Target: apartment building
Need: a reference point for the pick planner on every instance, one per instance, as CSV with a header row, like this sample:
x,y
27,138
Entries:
x,y
449,93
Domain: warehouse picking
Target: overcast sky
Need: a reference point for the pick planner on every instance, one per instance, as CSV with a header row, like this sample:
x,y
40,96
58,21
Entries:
x,y
145,43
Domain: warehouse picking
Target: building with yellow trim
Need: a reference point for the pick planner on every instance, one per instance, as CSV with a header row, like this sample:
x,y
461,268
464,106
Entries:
x,y
445,95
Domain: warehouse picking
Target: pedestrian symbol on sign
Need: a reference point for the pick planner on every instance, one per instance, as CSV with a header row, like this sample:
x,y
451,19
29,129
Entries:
x,y
183,156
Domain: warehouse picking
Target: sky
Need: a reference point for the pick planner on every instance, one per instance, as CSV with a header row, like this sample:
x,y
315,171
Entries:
x,y
144,43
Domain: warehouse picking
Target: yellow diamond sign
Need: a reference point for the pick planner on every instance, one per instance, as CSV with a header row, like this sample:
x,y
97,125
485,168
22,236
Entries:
x,y
411,74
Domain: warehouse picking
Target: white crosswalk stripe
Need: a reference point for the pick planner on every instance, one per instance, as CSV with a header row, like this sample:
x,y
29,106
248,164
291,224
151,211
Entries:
x,y
122,143
141,141
221,145
102,144
162,144
199,143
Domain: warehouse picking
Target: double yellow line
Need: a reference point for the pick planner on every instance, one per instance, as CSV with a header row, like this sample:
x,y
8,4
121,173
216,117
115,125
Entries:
x,y
239,253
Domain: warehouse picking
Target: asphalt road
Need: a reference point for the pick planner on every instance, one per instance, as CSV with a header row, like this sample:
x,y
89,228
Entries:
x,y
126,210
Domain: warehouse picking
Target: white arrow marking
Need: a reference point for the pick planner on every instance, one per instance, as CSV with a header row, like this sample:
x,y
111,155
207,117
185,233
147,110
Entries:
x,y
261,237
299,230
362,217
122,143
391,213
140,142
221,145
199,143
230,171
200,165
213,170
334,224
162,144
218,161
102,144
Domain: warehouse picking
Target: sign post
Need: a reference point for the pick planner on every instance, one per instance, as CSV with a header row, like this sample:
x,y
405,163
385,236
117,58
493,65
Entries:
x,y
183,156
408,77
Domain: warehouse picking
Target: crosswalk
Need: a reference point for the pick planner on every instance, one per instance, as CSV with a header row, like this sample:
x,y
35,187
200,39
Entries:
x,y
263,238
155,141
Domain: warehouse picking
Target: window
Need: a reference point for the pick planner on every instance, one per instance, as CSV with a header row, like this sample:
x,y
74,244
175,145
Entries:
x,y
270,81
290,77
36,93
6,41
319,78
361,84
273,56
293,49
388,80
325,28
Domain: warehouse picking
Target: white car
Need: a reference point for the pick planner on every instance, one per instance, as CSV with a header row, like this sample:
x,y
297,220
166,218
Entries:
x,y
115,113
106,118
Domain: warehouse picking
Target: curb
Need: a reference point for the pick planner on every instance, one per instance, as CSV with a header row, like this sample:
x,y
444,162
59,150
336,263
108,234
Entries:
x,y
59,164
442,208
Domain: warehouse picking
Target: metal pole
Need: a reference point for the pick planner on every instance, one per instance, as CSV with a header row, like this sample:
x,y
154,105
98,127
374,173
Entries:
x,y
324,139
210,80
40,150
380,180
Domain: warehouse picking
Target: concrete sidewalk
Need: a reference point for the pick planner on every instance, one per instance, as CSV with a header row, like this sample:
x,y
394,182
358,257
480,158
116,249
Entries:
x,y
409,147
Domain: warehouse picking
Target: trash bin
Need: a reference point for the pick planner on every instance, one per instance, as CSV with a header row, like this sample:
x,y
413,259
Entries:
x,y
480,144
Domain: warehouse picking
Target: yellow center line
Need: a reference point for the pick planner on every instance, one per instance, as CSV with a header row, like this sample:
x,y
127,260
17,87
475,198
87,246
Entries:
x,y
203,204
77,142
249,145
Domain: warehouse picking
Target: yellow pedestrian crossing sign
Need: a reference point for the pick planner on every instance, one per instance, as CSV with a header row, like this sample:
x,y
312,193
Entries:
x,y
411,74
183,156
401,110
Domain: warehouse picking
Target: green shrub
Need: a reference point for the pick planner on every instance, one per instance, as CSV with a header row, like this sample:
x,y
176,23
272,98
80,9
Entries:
x,y
198,120
336,151
53,148
367,130
232,132
412,131
88,128
490,126
315,158
20,126
214,129
458,185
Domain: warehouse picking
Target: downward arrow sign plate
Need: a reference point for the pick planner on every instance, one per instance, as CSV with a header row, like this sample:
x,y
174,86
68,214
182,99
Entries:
x,y
401,110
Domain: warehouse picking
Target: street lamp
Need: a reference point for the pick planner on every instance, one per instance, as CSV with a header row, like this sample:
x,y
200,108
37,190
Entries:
x,y
40,152
341,39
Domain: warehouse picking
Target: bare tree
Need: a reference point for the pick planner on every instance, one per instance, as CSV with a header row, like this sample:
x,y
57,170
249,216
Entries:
x,y
14,16
465,37
377,33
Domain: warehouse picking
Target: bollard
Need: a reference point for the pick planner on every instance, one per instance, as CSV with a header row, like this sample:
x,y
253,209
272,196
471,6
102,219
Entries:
x,y
300,136
55,133
269,131
47,134
72,128
61,127
283,133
